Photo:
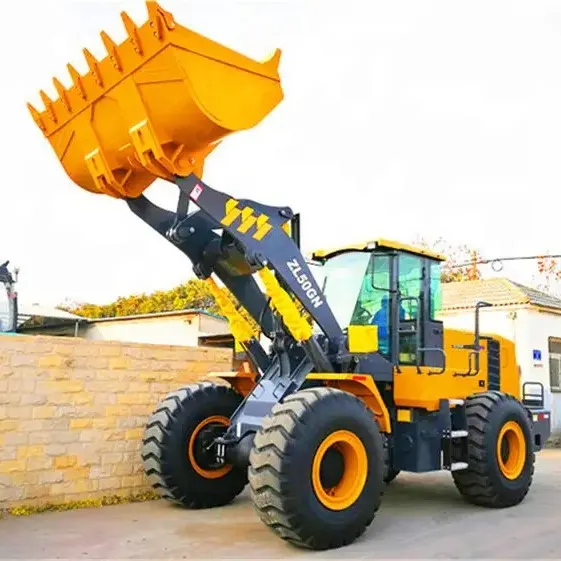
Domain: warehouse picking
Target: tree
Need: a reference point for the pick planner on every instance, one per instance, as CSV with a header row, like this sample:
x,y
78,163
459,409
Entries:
x,y
461,263
548,275
192,294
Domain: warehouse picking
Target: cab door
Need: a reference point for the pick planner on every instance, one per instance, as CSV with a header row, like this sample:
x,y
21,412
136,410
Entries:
x,y
410,306
420,334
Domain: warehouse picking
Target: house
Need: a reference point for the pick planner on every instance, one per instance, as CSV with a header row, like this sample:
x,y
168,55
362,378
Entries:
x,y
528,317
189,327
179,327
47,320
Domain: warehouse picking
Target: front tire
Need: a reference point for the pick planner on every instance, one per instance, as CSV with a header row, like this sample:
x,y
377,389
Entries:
x,y
173,450
317,467
500,452
390,473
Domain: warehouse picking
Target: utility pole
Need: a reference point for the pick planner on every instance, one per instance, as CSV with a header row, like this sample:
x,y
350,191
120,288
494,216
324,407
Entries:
x,y
9,282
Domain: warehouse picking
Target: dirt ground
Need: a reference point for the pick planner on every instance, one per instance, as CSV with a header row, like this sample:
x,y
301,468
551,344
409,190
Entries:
x,y
422,517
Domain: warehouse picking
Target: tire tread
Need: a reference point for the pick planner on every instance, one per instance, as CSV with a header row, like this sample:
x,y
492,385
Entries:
x,y
268,481
159,425
475,483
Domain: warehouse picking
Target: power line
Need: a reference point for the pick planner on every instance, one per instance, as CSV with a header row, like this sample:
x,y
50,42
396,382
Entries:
x,y
497,263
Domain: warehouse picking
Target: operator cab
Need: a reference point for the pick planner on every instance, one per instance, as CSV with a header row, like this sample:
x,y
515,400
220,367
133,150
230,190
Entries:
x,y
394,286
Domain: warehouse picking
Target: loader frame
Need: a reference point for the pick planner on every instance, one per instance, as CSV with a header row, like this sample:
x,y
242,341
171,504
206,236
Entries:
x,y
256,238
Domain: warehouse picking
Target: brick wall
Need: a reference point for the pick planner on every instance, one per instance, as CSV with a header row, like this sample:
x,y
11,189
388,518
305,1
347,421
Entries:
x,y
72,413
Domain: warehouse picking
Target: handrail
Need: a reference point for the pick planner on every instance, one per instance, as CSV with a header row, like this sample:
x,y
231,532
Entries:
x,y
475,348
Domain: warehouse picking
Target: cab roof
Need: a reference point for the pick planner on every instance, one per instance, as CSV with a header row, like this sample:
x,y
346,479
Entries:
x,y
321,254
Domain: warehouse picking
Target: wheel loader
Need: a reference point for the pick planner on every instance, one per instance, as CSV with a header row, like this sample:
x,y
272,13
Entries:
x,y
342,384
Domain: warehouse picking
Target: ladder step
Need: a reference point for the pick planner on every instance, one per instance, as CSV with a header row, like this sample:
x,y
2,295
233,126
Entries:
x,y
456,401
458,433
457,466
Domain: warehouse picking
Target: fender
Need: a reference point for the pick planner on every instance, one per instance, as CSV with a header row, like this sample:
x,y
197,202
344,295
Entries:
x,y
363,386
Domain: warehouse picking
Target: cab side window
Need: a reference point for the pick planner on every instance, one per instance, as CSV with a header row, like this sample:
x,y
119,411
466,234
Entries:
x,y
410,284
435,290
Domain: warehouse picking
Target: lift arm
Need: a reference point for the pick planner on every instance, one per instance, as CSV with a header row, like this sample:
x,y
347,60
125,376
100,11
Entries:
x,y
234,239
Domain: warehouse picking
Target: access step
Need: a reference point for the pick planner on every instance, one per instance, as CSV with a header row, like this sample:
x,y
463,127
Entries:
x,y
458,433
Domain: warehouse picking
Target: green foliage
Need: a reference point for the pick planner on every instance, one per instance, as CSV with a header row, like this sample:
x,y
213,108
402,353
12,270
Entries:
x,y
192,294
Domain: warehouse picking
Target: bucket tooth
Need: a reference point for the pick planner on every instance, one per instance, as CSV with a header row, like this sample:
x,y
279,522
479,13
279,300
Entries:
x,y
132,32
47,101
274,60
76,80
159,19
93,65
112,51
36,117
62,93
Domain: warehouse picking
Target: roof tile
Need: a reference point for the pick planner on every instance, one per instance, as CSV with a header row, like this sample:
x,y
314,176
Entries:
x,y
495,291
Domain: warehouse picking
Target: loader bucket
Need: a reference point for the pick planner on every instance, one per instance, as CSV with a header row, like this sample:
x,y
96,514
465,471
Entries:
x,y
155,106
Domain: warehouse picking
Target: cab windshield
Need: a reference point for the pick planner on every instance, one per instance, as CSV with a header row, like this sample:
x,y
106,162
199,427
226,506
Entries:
x,y
356,286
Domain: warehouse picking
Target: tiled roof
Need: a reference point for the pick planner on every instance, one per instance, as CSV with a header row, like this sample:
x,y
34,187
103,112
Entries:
x,y
495,291
538,298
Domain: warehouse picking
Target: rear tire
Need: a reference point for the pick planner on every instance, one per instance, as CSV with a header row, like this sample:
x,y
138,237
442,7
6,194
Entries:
x,y
500,452
317,467
172,451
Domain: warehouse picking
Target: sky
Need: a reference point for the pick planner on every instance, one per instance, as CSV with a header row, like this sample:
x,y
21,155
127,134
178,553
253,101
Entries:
x,y
400,119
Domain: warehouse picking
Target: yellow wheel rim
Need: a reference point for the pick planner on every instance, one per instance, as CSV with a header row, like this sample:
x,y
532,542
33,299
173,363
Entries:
x,y
511,450
207,473
350,485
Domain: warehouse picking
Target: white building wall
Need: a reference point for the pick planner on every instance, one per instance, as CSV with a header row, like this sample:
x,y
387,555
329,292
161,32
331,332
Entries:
x,y
535,328
171,330
209,325
529,329
491,321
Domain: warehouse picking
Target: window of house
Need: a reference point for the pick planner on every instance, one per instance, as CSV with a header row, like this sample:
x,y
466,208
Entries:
x,y
555,364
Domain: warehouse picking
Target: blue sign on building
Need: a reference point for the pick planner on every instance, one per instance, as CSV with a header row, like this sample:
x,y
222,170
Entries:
x,y
537,354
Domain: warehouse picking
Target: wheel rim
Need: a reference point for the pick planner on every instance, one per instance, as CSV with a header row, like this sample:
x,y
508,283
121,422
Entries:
x,y
343,458
206,471
511,450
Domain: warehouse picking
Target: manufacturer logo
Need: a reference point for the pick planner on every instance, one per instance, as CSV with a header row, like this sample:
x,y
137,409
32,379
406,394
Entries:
x,y
249,219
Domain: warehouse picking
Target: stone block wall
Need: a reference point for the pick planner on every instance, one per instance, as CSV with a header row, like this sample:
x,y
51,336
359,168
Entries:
x,y
72,413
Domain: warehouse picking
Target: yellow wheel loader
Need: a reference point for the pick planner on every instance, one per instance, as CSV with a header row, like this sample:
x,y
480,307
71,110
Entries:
x,y
342,386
